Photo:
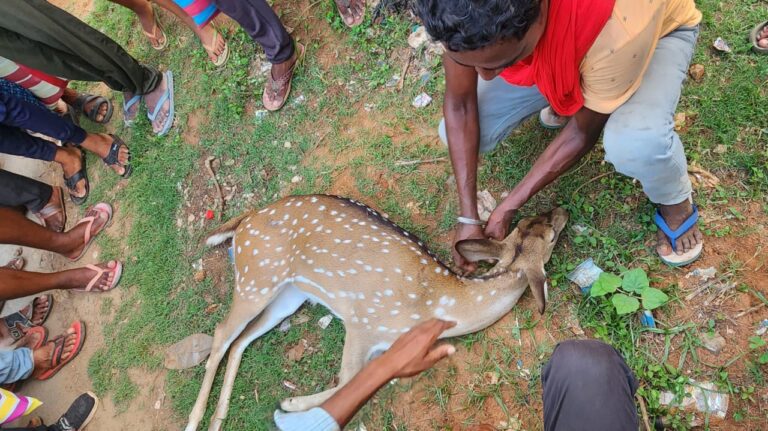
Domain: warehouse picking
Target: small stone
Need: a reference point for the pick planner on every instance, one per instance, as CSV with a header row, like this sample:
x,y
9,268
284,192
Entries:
x,y
486,203
720,149
199,276
712,342
422,100
299,100
391,82
296,352
368,107
418,37
721,45
697,72
296,179
285,326
190,218
287,144
325,321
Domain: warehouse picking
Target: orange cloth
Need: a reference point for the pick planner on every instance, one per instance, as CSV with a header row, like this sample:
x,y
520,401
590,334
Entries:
x,y
571,29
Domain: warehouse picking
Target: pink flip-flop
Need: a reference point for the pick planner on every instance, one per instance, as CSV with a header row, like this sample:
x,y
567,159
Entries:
x,y
101,207
114,267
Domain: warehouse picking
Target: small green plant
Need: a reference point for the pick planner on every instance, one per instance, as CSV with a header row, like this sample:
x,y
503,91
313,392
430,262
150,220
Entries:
x,y
756,344
629,291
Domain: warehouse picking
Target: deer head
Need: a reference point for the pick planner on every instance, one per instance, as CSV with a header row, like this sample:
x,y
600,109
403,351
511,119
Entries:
x,y
525,249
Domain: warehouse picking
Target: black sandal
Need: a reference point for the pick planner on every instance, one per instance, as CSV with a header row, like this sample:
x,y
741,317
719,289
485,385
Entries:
x,y
71,182
93,114
18,323
112,157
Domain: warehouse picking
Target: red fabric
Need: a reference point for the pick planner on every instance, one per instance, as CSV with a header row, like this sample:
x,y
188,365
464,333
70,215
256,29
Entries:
x,y
572,28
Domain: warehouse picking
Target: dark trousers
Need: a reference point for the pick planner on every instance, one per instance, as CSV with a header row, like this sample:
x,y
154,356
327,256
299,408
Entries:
x,y
19,191
588,386
258,19
17,115
38,34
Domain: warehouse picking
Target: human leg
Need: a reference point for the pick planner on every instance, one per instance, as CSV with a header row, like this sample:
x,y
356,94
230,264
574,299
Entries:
x,y
17,284
588,386
16,365
641,142
501,108
149,23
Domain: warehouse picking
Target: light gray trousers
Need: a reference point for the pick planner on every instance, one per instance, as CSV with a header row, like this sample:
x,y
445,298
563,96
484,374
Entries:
x,y
639,138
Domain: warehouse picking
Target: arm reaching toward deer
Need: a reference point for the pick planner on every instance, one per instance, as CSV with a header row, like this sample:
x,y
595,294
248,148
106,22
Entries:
x,y
412,353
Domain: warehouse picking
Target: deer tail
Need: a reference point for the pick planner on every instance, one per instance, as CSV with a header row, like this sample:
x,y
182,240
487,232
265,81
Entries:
x,y
224,232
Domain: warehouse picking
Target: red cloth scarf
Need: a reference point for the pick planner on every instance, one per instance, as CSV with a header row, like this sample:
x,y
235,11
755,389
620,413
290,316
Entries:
x,y
572,27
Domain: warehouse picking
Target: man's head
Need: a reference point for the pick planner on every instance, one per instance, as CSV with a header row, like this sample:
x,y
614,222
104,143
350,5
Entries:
x,y
488,35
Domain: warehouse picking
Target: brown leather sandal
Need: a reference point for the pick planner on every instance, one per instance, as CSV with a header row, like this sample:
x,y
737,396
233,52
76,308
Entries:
x,y
274,87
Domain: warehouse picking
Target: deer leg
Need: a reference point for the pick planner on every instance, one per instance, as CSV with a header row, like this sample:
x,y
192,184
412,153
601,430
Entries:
x,y
289,300
353,358
226,333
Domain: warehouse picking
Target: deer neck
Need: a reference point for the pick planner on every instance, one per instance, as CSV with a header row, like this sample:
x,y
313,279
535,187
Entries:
x,y
476,303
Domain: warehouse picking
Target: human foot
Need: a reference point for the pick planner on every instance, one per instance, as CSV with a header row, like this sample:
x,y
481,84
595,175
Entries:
x,y
34,338
75,175
352,11
130,107
98,278
150,26
98,109
51,357
111,149
80,237
54,215
38,310
160,105
278,86
214,44
678,223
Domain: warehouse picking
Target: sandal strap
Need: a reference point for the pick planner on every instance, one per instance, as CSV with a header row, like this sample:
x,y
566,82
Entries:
x,y
71,182
89,220
96,278
58,350
114,151
673,235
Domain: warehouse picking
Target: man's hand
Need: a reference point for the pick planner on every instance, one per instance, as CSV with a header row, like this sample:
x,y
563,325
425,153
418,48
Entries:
x,y
415,352
498,223
462,232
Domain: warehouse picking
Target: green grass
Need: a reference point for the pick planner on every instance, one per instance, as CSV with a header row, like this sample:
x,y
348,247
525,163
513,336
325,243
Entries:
x,y
162,304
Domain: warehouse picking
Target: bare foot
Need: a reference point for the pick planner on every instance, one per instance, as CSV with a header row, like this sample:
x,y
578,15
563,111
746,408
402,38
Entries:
x,y
207,35
130,114
151,99
351,11
83,276
100,143
30,339
70,159
39,308
75,238
43,356
676,215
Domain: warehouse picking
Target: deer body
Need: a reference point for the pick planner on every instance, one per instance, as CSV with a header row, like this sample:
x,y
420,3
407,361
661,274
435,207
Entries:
x,y
377,278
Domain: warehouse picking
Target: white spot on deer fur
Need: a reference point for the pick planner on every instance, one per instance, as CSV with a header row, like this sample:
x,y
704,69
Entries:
x,y
382,329
285,217
319,270
358,261
415,317
370,310
374,227
479,298
398,270
412,295
368,268
274,279
310,261
272,212
279,249
334,212
379,270
446,272
329,273
360,295
245,270
424,283
263,211
314,221
365,320
437,270
321,208
394,312
388,292
360,245
439,312
408,278
293,223
424,261
493,292
298,204
352,271
239,249
313,200
384,250
429,302
255,251
379,295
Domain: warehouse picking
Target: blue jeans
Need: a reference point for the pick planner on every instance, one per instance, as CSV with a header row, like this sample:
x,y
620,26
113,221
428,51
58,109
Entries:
x,y
639,138
15,365
18,115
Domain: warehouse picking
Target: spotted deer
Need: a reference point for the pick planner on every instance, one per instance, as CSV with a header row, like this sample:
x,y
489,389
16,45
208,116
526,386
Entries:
x,y
377,278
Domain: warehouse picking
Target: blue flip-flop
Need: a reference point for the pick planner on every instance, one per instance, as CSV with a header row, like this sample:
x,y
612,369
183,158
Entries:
x,y
127,106
674,259
168,95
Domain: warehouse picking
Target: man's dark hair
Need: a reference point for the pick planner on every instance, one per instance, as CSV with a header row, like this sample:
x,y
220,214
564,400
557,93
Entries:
x,y
466,25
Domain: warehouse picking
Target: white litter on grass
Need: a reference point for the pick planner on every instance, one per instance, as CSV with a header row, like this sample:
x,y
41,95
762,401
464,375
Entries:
x,y
297,179
260,114
422,100
325,321
721,45
703,273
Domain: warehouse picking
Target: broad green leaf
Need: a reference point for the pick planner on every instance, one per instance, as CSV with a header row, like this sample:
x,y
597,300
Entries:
x,y
763,359
653,298
625,304
606,283
635,281
756,342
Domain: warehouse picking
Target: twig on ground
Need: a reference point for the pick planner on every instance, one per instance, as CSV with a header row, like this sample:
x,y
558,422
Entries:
x,y
218,187
748,310
593,179
404,73
644,412
707,285
419,162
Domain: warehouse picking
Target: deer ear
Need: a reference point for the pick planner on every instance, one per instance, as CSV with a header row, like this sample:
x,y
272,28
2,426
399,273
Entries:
x,y
537,279
480,249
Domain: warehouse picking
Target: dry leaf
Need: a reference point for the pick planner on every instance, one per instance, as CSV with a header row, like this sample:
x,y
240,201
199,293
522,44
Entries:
x,y
296,352
212,308
702,177
680,120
